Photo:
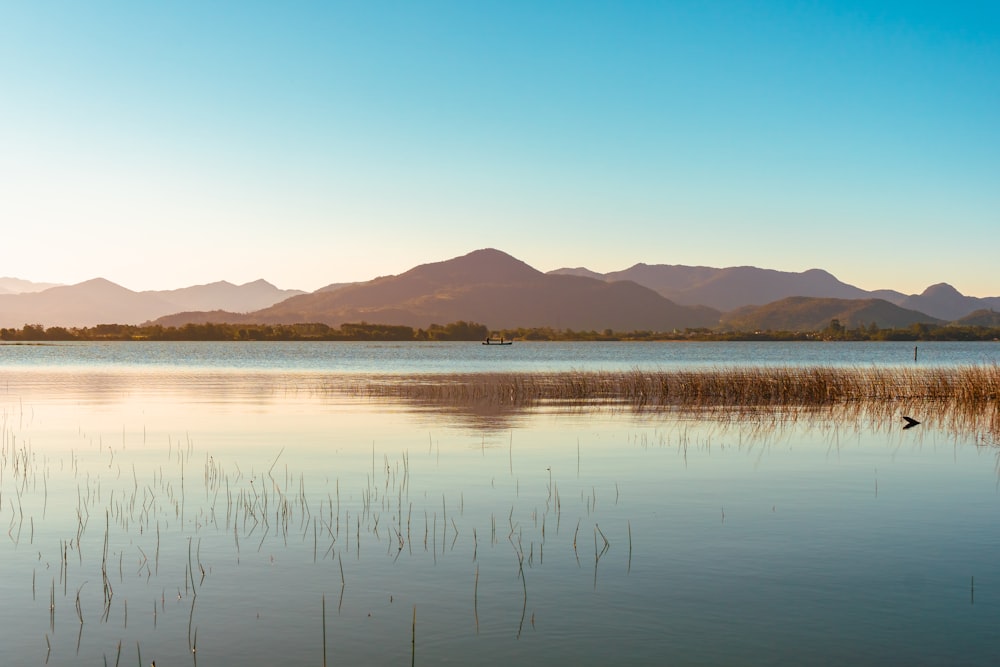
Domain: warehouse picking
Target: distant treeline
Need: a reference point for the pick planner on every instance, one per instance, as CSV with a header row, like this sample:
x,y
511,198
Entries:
x,y
361,331
469,331
834,331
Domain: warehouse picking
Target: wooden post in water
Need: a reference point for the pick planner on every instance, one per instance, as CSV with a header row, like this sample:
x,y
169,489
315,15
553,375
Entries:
x,y
914,352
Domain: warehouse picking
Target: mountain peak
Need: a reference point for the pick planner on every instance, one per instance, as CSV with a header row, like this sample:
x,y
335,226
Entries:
x,y
487,265
945,302
260,282
93,286
940,290
97,282
492,287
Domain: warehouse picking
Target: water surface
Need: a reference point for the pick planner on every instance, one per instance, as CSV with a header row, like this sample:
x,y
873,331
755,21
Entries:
x,y
449,357
193,503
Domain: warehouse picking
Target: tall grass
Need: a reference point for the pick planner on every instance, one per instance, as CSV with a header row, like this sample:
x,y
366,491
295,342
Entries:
x,y
961,399
728,386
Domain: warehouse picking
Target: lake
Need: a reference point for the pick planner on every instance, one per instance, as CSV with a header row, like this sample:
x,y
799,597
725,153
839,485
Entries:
x,y
218,503
375,357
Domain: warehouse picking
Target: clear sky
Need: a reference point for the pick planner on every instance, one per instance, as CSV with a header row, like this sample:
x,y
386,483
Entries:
x,y
165,144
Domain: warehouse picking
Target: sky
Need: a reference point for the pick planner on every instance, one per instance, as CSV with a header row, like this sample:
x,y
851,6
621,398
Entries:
x,y
167,144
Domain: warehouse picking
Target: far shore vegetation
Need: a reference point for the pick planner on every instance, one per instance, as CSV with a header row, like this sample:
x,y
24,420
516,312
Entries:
x,y
472,331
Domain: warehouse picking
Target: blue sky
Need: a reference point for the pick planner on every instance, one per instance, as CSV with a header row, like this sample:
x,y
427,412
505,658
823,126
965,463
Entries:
x,y
167,144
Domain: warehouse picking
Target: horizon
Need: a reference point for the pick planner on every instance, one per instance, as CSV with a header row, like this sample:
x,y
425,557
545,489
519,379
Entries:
x,y
169,146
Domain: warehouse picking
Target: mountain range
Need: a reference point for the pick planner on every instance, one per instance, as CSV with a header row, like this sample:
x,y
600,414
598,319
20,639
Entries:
x,y
485,286
19,286
740,286
101,301
493,288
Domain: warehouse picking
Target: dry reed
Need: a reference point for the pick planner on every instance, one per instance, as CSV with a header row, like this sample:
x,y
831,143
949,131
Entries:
x,y
962,399
725,386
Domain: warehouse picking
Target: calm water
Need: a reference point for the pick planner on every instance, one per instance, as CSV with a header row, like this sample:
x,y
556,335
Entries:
x,y
451,357
215,497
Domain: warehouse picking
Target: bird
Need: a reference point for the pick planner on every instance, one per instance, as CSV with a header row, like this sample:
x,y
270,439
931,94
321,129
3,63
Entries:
x,y
910,422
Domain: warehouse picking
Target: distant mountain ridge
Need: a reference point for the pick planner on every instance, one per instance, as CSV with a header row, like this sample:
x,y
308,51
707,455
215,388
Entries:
x,y
489,287
224,295
496,289
736,287
18,286
100,301
944,301
798,313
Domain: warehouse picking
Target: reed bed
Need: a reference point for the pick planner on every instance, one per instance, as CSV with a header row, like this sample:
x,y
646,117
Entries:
x,y
719,387
963,399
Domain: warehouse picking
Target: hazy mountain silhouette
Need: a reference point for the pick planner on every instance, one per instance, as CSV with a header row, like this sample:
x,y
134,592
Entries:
x,y
101,301
944,301
19,286
223,295
813,314
737,286
490,287
96,301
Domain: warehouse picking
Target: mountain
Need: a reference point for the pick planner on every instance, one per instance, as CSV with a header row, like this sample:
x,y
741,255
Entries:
x,y
100,301
980,318
334,286
734,287
19,286
739,286
96,301
580,271
814,314
946,302
492,288
224,295
204,317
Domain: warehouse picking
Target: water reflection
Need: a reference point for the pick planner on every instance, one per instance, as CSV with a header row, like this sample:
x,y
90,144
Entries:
x,y
271,518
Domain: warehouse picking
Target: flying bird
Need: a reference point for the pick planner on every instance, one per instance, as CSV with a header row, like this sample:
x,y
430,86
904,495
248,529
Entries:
x,y
910,422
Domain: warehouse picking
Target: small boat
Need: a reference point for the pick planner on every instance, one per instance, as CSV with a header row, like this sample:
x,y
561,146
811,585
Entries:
x,y
497,341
